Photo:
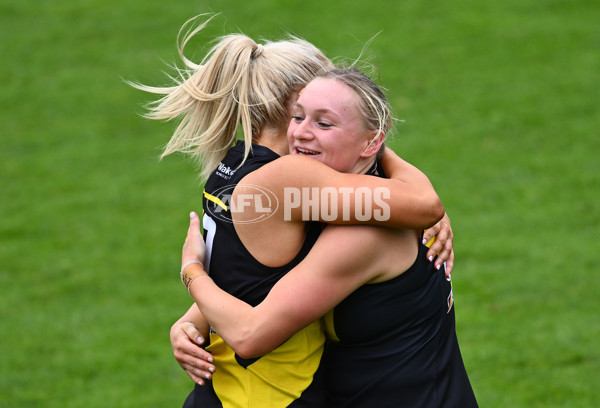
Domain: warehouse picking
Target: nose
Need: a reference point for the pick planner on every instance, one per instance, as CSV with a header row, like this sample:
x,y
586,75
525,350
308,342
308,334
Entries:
x,y
303,130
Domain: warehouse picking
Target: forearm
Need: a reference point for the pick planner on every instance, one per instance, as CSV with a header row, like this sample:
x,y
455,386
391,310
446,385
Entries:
x,y
408,200
414,202
234,320
194,316
343,259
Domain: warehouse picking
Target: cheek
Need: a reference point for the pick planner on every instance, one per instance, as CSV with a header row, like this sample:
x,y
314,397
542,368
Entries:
x,y
350,147
342,158
290,131
348,152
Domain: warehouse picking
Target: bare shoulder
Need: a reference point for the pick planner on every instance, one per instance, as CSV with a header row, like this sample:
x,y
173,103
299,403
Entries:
x,y
383,253
354,241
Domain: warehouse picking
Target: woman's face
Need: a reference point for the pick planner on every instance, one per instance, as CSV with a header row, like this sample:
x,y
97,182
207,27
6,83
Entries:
x,y
327,126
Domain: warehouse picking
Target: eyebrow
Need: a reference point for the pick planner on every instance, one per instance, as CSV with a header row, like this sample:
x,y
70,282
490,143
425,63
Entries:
x,y
318,110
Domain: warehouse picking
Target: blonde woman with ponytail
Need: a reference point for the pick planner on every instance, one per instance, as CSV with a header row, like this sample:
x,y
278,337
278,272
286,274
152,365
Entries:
x,y
246,88
238,85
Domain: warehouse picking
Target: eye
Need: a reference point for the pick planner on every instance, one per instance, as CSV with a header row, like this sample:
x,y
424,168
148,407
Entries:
x,y
324,125
297,118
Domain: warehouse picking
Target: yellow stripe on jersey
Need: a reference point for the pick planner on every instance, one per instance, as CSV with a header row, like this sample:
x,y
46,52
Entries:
x,y
330,327
215,200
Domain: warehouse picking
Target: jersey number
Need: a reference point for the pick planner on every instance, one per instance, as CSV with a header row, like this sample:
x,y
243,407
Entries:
x,y
210,228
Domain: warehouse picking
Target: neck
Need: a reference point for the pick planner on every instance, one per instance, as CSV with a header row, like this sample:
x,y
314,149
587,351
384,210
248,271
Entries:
x,y
363,165
274,139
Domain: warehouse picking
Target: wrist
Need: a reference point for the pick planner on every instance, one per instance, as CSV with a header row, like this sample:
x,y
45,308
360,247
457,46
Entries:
x,y
193,284
193,261
190,271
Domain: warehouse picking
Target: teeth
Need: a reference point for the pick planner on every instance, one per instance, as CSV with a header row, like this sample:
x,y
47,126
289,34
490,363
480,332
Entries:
x,y
303,151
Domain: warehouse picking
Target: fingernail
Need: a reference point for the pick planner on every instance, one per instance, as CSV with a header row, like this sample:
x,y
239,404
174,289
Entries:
x,y
200,339
210,359
430,258
192,215
438,267
207,376
211,369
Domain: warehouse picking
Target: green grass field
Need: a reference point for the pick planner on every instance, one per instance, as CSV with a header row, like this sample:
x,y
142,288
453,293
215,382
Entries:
x,y
502,112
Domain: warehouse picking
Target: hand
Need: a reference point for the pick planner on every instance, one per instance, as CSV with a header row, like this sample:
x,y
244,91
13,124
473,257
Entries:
x,y
195,361
193,248
443,245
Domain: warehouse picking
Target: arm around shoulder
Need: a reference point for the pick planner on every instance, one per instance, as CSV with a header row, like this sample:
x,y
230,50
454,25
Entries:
x,y
417,189
343,259
308,190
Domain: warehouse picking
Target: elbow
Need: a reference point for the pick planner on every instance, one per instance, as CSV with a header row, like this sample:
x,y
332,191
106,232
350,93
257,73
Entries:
x,y
246,344
436,211
248,349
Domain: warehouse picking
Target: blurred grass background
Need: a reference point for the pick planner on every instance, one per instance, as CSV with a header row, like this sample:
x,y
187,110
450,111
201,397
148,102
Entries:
x,y
501,107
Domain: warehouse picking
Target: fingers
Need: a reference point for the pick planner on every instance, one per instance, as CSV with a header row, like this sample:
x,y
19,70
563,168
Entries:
x,y
437,247
189,344
193,232
189,353
195,361
442,246
193,247
193,374
192,332
194,228
194,222
444,255
196,371
430,233
450,265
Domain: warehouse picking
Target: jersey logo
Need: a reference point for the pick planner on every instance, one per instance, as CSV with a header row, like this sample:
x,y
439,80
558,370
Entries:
x,y
224,171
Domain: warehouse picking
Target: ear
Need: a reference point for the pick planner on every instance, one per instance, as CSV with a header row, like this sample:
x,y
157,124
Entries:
x,y
376,139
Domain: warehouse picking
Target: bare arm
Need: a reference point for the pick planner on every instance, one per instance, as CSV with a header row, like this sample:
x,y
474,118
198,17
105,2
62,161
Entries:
x,y
343,259
408,200
396,168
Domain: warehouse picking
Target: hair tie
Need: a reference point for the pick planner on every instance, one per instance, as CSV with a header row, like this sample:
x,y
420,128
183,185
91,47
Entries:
x,y
258,50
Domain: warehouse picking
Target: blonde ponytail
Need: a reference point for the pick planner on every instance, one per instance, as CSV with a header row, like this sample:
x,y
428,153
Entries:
x,y
239,83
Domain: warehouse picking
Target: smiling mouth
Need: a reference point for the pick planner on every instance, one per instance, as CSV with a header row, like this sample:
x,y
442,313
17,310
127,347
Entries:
x,y
306,152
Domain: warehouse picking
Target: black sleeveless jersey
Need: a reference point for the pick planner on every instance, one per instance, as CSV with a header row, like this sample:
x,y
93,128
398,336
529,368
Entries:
x,y
288,376
231,266
394,344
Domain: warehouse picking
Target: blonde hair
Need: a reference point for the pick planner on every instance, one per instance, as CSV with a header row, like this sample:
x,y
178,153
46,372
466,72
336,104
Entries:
x,y
239,83
374,106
